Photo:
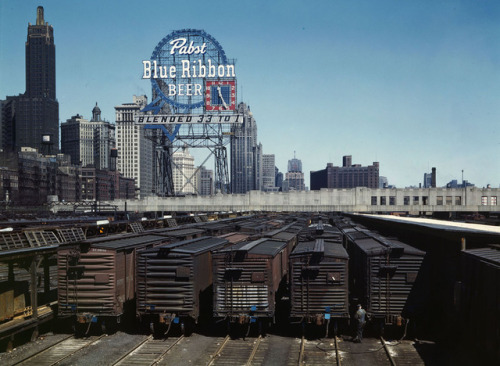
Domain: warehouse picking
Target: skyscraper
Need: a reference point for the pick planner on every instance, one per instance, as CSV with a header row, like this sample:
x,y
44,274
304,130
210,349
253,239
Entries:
x,y
135,151
183,172
37,110
246,154
294,165
295,177
89,143
205,179
268,172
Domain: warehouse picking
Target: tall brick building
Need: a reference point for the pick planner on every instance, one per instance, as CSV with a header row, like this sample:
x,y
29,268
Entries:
x,y
346,176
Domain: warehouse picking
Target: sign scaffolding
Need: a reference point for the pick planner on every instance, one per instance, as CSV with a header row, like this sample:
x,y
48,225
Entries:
x,y
194,105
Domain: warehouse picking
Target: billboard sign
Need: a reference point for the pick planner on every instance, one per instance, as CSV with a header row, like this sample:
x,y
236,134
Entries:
x,y
189,74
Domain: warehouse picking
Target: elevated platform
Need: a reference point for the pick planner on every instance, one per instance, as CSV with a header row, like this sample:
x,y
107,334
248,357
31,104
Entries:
x,y
413,201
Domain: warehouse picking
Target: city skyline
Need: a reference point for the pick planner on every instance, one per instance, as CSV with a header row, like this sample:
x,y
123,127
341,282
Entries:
x,y
412,86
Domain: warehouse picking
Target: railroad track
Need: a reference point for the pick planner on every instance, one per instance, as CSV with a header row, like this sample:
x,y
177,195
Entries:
x,y
59,351
149,351
236,351
319,352
377,352
402,353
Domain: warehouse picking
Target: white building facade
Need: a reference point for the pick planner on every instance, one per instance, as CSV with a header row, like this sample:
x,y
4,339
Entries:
x,y
268,172
183,173
135,151
89,143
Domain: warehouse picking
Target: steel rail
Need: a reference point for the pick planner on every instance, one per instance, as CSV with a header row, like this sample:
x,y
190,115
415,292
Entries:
x,y
42,351
133,349
301,354
69,354
254,351
391,359
219,350
160,357
337,354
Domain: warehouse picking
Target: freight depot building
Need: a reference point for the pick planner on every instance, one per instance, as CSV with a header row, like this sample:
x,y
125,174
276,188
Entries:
x,y
346,176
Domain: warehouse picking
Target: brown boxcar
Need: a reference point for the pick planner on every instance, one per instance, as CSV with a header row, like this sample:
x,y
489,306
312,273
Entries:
x,y
382,275
174,283
249,279
96,279
319,286
479,302
234,238
320,230
180,233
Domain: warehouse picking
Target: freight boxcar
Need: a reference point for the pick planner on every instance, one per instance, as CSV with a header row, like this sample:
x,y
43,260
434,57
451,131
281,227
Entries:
x,y
320,230
382,275
479,302
96,279
288,233
319,287
174,283
234,238
249,279
181,233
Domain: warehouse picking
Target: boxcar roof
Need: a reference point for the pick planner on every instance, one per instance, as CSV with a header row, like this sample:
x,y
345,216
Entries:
x,y
266,247
331,249
180,232
200,245
126,242
190,246
234,237
490,254
372,246
284,235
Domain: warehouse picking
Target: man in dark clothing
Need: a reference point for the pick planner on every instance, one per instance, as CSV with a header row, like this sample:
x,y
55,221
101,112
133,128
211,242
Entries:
x,y
360,317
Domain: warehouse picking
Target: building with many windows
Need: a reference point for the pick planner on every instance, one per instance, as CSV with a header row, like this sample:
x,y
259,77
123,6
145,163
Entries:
x,y
135,151
347,176
32,118
268,172
205,181
89,143
246,154
430,179
183,173
294,178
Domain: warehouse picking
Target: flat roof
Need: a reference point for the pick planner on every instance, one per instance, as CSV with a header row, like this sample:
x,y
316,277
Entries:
x,y
439,224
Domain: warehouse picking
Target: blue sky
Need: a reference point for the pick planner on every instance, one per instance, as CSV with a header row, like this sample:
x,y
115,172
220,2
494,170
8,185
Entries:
x,y
410,84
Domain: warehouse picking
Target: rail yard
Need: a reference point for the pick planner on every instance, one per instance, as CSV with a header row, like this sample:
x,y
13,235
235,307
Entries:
x,y
254,289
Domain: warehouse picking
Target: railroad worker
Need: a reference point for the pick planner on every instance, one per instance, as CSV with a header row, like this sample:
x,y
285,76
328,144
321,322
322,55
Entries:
x,y
360,317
